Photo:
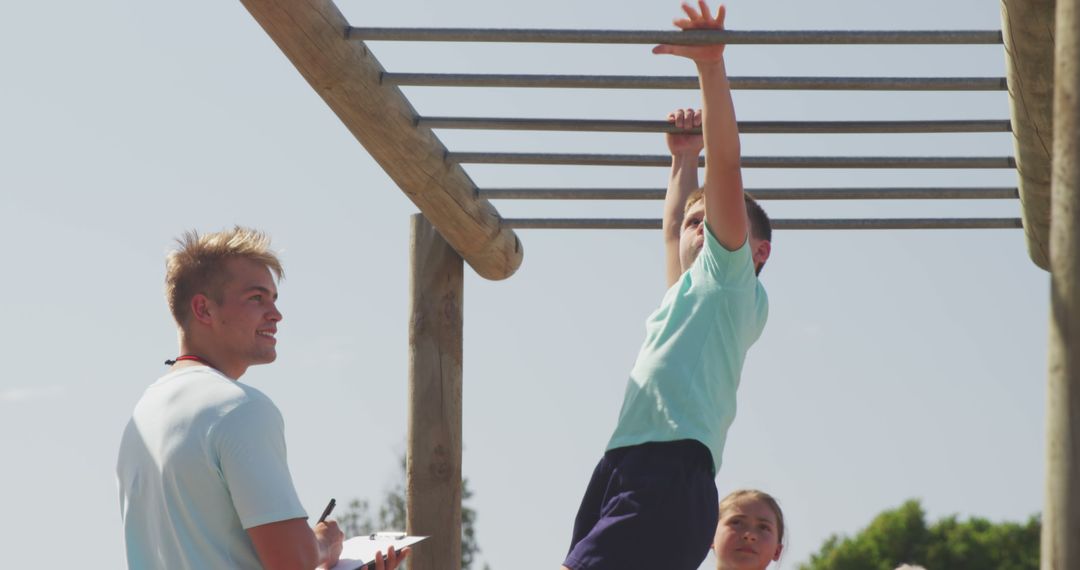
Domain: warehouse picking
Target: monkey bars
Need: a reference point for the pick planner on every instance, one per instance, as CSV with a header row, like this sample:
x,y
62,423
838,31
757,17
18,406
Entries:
x,y
459,222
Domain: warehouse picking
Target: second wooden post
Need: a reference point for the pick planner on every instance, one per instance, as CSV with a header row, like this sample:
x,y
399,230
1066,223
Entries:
x,y
433,467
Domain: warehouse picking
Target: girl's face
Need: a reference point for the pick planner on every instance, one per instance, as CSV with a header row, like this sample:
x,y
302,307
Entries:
x,y
747,537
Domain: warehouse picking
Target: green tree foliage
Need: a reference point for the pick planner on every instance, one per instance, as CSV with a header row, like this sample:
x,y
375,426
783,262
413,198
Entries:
x,y
902,536
358,520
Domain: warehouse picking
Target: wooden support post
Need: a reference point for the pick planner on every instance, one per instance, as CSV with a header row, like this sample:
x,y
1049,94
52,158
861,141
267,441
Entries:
x,y
347,76
1027,27
1061,512
433,468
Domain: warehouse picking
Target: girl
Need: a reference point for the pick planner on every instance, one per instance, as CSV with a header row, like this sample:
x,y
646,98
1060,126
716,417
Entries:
x,y
750,534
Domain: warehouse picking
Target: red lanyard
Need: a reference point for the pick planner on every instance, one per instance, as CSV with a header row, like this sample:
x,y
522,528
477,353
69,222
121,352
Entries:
x,y
192,357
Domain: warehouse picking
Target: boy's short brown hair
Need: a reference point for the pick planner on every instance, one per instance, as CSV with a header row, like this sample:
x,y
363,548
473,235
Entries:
x,y
760,225
197,265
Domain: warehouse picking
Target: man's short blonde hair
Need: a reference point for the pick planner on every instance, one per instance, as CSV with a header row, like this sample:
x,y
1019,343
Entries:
x,y
197,265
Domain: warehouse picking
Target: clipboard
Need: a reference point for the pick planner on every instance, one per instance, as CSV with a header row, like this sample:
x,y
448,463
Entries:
x,y
359,551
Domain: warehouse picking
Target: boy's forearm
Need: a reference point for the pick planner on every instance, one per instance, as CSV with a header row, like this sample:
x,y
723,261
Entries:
x,y
719,126
682,181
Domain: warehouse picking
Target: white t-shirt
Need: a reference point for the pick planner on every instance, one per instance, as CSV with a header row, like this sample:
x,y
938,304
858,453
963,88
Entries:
x,y
201,460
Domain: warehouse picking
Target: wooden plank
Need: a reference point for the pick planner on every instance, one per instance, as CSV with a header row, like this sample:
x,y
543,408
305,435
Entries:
x,y
1061,510
347,76
433,467
1029,48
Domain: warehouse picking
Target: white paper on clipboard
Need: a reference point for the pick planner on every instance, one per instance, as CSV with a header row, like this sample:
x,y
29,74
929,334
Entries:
x,y
359,551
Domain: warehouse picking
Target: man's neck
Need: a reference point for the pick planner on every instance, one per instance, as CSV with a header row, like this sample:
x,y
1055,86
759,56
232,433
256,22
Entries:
x,y
208,356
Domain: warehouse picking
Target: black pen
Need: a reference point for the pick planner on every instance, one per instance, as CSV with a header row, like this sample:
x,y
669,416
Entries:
x,y
327,510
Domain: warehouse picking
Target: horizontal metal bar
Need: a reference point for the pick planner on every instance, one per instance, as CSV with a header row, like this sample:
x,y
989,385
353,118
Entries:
x,y
987,193
690,37
747,161
745,127
689,82
788,224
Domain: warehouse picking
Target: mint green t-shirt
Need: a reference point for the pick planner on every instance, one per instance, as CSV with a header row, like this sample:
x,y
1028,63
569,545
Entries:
x,y
683,383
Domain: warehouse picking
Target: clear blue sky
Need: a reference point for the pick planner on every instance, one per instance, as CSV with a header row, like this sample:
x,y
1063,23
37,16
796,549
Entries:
x,y
895,365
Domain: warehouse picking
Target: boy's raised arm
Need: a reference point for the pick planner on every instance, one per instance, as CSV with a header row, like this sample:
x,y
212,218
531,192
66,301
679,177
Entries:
x,y
685,149
725,209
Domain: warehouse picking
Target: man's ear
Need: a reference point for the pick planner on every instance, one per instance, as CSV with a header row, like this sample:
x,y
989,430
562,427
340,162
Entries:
x,y
779,547
201,306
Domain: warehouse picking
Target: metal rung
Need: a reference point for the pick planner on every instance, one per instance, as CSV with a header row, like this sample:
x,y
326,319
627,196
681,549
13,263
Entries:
x,y
688,82
788,224
988,193
747,161
690,37
745,127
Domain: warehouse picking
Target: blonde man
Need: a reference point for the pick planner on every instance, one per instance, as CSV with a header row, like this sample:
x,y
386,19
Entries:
x,y
202,470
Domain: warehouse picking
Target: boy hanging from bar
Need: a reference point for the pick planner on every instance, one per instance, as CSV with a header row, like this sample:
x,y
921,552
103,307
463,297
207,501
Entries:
x,y
652,500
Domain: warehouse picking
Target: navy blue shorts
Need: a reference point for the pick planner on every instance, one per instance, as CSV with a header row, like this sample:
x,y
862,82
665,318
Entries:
x,y
650,506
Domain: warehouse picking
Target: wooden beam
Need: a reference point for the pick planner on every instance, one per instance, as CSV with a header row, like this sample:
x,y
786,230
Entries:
x,y
433,467
1061,510
1028,27
347,76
